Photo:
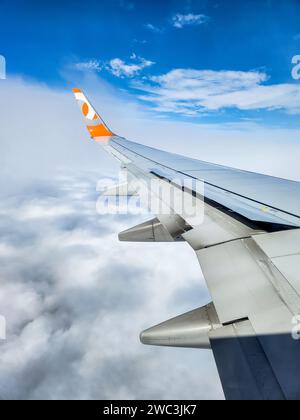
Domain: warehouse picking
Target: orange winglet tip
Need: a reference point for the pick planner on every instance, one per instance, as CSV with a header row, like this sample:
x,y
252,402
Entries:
x,y
99,130
95,125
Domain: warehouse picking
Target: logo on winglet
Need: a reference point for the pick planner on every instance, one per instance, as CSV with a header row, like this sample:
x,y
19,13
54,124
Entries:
x,y
95,125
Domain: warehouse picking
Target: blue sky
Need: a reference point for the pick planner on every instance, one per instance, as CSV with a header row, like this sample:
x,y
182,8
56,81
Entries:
x,y
136,45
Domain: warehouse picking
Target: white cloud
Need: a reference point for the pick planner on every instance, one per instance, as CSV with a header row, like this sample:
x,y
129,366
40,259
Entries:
x,y
189,92
92,65
116,66
153,28
179,21
189,19
119,68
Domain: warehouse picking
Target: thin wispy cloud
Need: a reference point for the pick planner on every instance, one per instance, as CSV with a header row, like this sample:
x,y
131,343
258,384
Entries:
x,y
192,92
180,20
117,66
120,68
140,41
90,65
153,28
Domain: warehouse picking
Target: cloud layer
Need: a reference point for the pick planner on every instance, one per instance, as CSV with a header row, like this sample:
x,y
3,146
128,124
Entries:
x,y
75,300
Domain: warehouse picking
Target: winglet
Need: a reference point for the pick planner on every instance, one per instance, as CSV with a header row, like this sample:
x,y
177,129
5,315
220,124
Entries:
x,y
94,123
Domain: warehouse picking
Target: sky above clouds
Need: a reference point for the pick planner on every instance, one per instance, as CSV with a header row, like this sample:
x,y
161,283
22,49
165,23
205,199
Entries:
x,y
212,60
208,79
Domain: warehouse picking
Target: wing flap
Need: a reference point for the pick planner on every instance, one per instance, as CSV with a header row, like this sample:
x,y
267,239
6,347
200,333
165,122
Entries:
x,y
246,284
244,369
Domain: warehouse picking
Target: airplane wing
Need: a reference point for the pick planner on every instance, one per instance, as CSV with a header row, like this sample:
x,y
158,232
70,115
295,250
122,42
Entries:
x,y
244,229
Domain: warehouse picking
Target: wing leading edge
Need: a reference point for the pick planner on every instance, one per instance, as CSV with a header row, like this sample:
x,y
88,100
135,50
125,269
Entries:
x,y
248,246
